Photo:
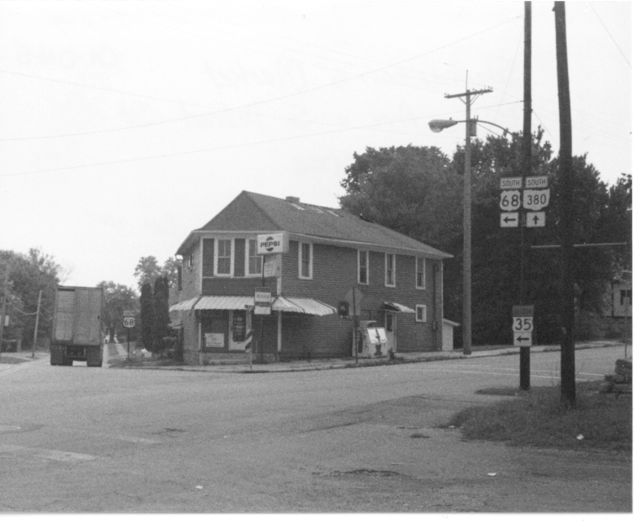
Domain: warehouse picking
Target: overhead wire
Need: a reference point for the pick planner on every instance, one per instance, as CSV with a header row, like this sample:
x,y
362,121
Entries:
x,y
248,104
219,147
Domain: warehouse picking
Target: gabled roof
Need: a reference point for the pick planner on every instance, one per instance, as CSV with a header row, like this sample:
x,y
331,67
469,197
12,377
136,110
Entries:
x,y
253,212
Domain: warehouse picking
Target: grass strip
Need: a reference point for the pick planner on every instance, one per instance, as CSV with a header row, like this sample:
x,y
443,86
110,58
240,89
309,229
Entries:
x,y
539,418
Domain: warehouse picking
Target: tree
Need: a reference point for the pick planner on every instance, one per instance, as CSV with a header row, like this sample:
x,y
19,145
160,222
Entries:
x,y
117,298
171,269
146,315
29,274
417,191
160,313
147,270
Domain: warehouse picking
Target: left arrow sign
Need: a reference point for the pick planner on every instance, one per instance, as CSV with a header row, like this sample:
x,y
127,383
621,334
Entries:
x,y
508,219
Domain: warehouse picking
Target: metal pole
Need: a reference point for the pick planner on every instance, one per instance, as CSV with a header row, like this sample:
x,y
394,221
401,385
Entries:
x,y
355,323
3,309
525,351
35,327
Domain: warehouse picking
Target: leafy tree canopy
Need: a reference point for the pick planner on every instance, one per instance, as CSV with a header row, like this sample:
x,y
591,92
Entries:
x,y
418,191
28,275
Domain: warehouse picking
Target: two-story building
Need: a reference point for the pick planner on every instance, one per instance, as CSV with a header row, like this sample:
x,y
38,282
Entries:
x,y
329,256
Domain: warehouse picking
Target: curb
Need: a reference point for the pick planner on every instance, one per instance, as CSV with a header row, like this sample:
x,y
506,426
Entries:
x,y
242,368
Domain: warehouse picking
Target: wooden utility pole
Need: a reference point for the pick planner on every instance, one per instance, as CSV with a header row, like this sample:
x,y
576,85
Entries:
x,y
35,327
466,215
566,180
525,351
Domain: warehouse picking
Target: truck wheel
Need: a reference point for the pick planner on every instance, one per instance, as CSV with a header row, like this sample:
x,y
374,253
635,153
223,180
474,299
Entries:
x,y
94,357
55,357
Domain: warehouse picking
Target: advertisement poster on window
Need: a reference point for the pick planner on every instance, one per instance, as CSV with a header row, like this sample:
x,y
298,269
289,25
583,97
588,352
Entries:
x,y
214,340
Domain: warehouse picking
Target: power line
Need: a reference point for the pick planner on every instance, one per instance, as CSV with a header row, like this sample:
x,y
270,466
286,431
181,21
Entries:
x,y
240,106
207,149
224,147
615,42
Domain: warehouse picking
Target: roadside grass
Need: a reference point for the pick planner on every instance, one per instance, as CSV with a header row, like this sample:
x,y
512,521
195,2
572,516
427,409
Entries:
x,y
539,418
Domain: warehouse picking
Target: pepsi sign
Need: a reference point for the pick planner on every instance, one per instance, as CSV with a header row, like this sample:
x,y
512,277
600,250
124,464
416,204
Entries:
x,y
275,243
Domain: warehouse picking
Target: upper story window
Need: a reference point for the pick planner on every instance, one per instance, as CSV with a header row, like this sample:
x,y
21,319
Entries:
x,y
224,257
625,297
390,270
363,267
253,261
421,273
305,260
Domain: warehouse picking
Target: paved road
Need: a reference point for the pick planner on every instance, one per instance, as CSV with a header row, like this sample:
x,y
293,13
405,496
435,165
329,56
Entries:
x,y
370,439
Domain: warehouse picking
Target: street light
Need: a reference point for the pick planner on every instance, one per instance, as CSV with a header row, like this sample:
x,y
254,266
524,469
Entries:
x,y
437,125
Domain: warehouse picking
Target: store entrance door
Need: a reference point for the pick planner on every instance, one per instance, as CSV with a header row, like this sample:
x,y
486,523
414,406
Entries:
x,y
239,326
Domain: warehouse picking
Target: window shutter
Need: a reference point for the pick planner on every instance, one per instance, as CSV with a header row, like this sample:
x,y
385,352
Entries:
x,y
207,256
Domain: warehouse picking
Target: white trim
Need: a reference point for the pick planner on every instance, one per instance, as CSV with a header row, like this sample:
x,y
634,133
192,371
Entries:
x,y
246,258
366,252
310,277
424,272
386,270
232,257
424,308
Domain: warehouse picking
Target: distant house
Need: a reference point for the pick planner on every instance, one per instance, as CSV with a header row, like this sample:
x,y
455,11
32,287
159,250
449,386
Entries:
x,y
621,305
327,253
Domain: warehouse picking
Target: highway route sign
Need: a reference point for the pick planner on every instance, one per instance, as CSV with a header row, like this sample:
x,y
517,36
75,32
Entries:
x,y
537,182
510,200
509,219
522,324
522,339
536,219
129,322
510,183
535,199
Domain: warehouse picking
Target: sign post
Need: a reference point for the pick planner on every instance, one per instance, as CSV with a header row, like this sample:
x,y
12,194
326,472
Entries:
x,y
128,321
522,327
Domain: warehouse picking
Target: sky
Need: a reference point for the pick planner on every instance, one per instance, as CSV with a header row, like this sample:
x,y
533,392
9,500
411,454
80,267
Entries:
x,y
125,125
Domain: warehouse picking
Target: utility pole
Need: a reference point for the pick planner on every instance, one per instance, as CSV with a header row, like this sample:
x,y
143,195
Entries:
x,y
35,328
525,351
466,214
3,308
566,179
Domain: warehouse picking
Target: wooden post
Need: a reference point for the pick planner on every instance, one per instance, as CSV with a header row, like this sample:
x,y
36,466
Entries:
x,y
35,327
566,179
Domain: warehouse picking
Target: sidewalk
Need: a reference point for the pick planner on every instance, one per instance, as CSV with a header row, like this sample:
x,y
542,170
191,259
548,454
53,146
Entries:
x,y
343,362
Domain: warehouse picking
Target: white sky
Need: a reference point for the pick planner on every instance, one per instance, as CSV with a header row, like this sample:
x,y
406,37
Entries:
x,y
125,125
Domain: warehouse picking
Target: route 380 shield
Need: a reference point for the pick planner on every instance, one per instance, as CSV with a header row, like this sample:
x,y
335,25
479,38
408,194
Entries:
x,y
510,200
535,199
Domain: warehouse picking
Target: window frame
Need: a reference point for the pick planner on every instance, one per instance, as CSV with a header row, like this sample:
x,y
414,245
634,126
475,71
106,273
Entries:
x,y
424,272
300,275
216,256
247,258
366,266
387,283
422,307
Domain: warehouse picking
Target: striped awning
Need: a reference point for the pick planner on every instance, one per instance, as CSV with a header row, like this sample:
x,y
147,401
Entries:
x,y
185,305
399,308
305,306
